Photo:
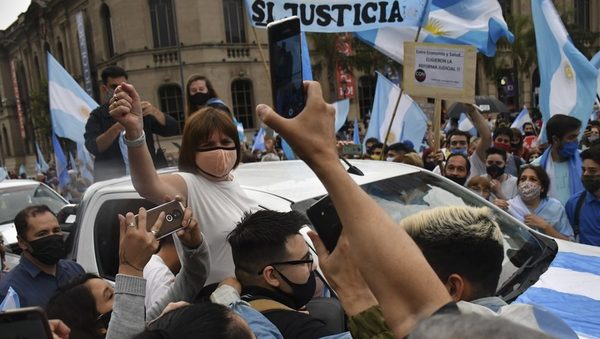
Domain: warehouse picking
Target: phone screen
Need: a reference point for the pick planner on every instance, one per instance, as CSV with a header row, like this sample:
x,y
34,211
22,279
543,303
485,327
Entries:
x,y
286,67
173,218
326,221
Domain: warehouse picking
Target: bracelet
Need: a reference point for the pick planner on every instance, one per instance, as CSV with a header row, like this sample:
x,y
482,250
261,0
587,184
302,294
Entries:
x,y
135,142
124,261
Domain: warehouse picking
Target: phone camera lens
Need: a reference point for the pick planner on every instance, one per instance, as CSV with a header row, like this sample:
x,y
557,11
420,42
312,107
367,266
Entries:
x,y
176,214
169,217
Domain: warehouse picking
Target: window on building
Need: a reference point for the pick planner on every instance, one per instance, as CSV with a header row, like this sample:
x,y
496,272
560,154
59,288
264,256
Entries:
x,y
6,142
107,23
243,106
582,14
235,29
163,26
171,103
60,53
506,6
366,93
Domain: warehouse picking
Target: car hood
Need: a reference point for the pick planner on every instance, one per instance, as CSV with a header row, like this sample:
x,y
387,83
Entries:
x,y
570,288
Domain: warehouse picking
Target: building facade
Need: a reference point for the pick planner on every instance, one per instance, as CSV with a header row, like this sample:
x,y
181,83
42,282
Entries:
x,y
161,43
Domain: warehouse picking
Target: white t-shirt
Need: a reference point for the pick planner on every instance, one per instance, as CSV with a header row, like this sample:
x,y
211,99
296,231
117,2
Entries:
x,y
509,186
558,172
218,206
159,279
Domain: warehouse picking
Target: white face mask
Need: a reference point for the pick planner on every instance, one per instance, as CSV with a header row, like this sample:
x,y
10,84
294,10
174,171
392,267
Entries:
x,y
390,159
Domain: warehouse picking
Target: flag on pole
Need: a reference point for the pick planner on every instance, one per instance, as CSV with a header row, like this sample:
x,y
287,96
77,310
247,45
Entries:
x,y
70,105
466,125
41,162
408,114
341,113
86,164
568,80
356,132
521,119
460,22
259,140
61,163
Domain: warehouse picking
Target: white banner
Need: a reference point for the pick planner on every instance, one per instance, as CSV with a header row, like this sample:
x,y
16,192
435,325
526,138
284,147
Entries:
x,y
333,16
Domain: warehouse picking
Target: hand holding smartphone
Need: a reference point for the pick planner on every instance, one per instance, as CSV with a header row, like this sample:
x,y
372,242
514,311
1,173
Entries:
x,y
173,218
326,222
285,57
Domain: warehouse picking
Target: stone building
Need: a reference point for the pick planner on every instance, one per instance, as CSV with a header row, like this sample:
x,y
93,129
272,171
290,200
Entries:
x,y
161,43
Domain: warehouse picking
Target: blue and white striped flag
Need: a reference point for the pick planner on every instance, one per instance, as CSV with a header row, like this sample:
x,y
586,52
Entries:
x,y
41,162
11,301
466,125
568,80
61,163
3,173
259,140
70,105
464,22
410,122
356,132
341,112
86,164
521,119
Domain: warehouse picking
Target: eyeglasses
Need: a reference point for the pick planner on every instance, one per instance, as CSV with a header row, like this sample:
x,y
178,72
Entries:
x,y
308,261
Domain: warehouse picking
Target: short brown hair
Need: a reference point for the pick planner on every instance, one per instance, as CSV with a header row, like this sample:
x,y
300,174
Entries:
x,y
198,129
26,213
209,86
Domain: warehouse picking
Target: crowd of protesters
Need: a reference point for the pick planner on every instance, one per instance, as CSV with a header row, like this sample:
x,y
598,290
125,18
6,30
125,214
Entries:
x,y
236,270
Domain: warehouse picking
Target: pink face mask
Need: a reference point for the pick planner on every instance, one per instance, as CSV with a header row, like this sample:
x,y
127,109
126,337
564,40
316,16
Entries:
x,y
216,162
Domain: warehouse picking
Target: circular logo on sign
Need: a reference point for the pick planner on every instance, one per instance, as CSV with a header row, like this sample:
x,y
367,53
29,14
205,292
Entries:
x,y
420,75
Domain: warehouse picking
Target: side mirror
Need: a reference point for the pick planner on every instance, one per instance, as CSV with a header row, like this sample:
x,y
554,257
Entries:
x,y
66,215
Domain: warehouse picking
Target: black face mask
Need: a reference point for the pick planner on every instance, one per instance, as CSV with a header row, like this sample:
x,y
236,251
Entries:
x,y
494,171
49,250
517,145
529,133
199,99
301,293
460,181
430,165
591,183
104,319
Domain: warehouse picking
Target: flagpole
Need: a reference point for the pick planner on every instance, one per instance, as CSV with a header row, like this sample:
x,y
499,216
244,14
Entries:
x,y
387,134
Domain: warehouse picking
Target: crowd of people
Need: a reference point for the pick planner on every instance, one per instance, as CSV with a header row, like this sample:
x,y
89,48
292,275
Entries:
x,y
236,270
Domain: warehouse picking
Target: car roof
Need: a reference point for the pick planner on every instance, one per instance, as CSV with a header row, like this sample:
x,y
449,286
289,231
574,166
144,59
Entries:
x,y
10,183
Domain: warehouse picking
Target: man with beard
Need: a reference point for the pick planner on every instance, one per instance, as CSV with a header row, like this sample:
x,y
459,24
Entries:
x,y
457,168
41,270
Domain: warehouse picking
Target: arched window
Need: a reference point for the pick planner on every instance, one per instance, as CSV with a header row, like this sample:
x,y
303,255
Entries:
x,y
163,26
60,53
108,34
366,93
6,142
582,14
235,28
243,106
171,103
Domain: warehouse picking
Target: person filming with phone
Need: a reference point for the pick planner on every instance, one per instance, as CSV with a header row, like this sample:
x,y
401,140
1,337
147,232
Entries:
x,y
210,151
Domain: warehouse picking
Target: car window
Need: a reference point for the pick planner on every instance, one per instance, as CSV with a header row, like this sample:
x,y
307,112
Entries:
x,y
405,195
106,233
15,199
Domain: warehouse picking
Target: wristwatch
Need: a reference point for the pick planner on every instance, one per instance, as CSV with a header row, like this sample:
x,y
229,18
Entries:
x,y
135,142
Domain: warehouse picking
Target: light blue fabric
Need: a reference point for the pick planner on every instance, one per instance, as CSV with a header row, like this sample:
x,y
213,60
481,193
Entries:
x,y
570,170
260,325
549,209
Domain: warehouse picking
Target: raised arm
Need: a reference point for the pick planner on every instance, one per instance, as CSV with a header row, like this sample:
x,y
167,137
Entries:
x,y
483,129
96,140
391,263
126,108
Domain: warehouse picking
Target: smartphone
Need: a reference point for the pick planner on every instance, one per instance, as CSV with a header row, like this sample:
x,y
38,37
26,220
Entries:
x,y
26,323
286,66
326,222
173,218
352,149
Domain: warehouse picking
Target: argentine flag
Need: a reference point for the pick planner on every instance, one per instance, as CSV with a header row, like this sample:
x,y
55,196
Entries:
x,y
341,113
459,22
70,105
41,164
568,80
521,119
410,123
259,140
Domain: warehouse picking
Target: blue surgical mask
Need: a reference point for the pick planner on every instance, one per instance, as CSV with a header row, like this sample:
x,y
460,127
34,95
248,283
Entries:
x,y
568,149
462,151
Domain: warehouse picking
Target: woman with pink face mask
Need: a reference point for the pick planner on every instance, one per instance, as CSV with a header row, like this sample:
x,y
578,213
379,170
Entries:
x,y
210,151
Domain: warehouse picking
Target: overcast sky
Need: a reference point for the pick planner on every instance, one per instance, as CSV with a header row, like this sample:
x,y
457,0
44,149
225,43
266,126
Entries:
x,y
10,10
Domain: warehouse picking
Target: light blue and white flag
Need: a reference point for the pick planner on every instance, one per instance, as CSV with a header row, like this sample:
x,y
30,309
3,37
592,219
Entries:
x,y
356,132
22,170
568,80
466,125
11,301
70,105
287,150
86,164
341,113
61,163
595,60
410,123
259,140
3,173
41,162
521,119
464,22
337,16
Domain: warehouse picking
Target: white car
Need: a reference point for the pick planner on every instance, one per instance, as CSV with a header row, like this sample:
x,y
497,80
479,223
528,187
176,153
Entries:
x,y
559,275
15,195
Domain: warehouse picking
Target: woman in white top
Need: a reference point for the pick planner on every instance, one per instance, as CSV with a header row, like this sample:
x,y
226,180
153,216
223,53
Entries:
x,y
210,150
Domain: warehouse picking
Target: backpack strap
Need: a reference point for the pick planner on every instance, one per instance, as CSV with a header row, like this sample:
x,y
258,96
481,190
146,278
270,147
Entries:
x,y
578,207
266,305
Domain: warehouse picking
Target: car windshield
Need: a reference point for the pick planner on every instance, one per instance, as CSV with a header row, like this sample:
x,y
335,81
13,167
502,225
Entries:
x,y
14,199
405,195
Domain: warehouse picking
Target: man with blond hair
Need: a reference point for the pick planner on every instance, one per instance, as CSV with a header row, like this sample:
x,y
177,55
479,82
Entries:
x,y
464,247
